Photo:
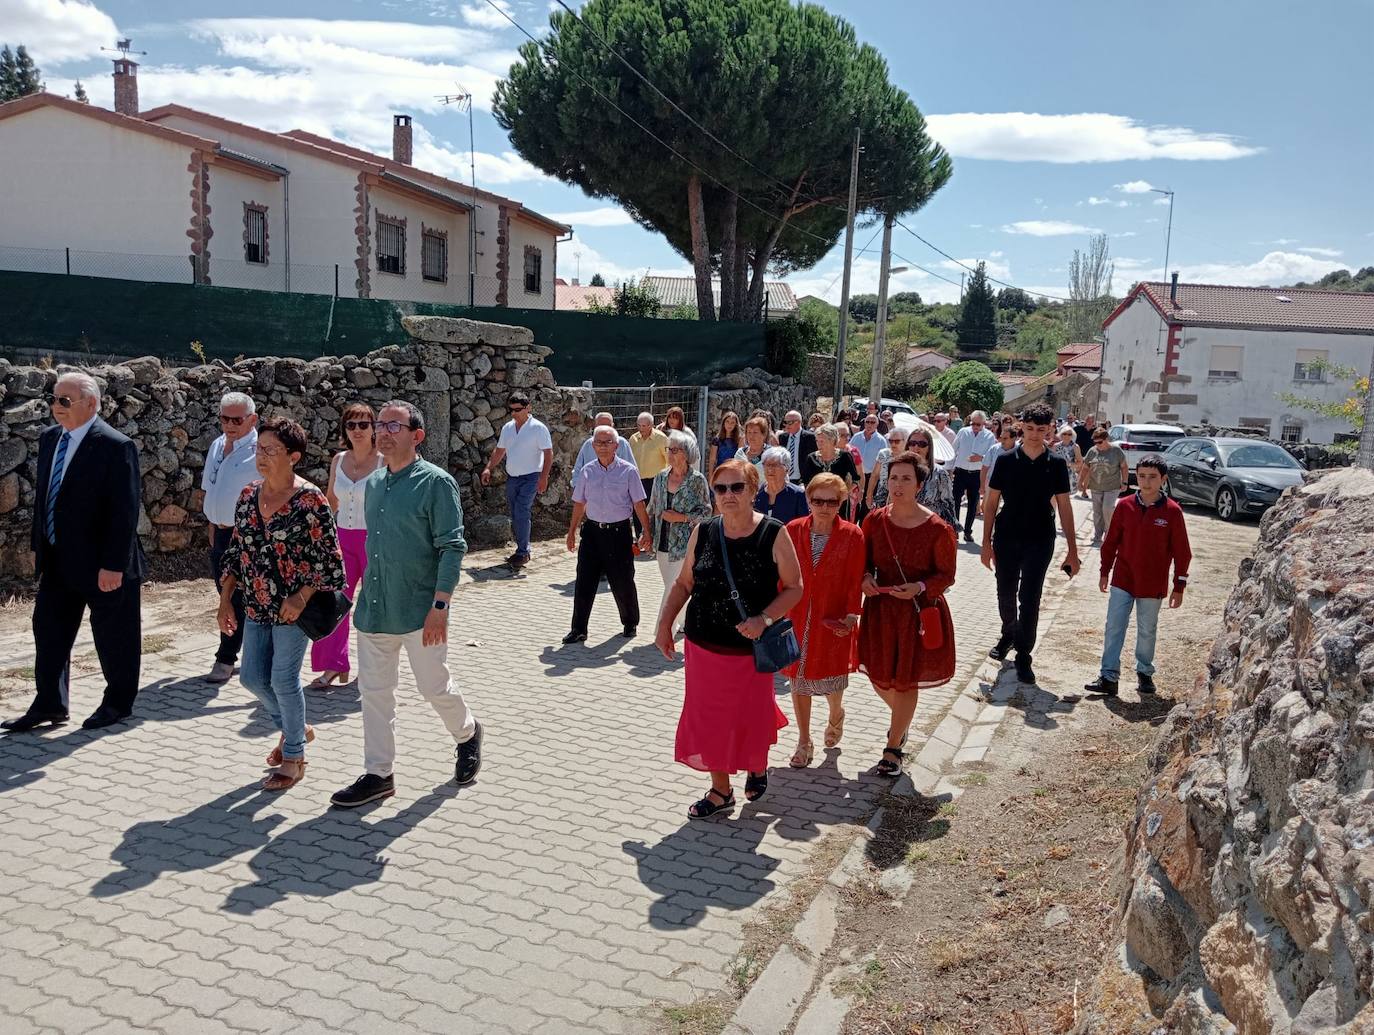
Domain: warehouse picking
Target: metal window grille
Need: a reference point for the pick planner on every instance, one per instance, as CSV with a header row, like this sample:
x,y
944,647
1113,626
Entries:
x,y
534,270
1291,433
391,246
255,243
434,256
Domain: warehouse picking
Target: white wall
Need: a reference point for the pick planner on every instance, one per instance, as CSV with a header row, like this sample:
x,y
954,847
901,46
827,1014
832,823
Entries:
x,y
412,286
524,233
111,195
230,189
1133,359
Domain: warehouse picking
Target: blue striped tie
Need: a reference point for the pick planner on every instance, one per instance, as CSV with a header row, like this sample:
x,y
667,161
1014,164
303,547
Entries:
x,y
59,461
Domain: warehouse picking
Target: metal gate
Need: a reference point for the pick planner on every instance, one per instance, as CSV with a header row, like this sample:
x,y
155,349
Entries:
x,y
626,404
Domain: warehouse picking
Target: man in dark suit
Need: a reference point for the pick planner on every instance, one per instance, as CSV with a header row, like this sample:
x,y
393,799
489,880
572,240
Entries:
x,y
87,554
798,442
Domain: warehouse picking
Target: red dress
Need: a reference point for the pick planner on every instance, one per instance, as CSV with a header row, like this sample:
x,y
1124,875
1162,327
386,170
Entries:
x,y
830,589
891,651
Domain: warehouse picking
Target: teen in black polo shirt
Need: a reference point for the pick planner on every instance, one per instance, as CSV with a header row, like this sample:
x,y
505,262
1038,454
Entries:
x,y
1030,483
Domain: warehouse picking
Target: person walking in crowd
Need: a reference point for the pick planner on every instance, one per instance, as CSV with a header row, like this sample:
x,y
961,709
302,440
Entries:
x,y
869,442
937,488
587,453
679,500
956,423
527,447
650,449
1147,534
769,434
778,498
1105,472
229,468
856,490
607,493
1006,442
1067,448
906,637
84,538
882,424
1083,437
755,442
675,420
284,550
830,551
877,485
728,441
415,550
815,421
941,421
798,441
1018,543
829,458
346,490
971,446
729,716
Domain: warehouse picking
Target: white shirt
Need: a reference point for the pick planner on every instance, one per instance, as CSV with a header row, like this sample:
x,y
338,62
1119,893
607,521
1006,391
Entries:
x,y
524,446
77,437
869,447
224,479
967,444
949,435
992,454
351,496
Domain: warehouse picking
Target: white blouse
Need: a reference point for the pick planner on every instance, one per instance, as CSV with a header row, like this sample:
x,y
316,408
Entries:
x,y
350,495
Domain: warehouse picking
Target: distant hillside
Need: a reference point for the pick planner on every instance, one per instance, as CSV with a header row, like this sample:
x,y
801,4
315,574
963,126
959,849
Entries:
x,y
1342,280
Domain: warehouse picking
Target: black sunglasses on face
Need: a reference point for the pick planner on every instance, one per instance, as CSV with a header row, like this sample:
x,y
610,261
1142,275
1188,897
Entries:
x,y
516,408
358,425
233,421
919,442
728,488
65,401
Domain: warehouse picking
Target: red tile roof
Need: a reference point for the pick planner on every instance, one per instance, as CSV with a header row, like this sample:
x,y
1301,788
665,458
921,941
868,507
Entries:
x,y
1075,348
1089,359
577,296
1261,308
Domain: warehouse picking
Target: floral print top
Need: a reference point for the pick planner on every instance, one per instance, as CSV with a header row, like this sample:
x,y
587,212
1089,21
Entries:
x,y
297,547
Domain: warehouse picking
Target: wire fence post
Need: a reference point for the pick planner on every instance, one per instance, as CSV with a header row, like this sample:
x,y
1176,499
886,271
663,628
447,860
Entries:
x,y
336,280
1365,457
69,260
703,424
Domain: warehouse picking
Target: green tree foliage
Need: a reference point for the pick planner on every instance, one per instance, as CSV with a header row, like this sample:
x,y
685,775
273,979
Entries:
x,y
19,76
969,385
826,319
1351,408
781,83
788,342
597,280
1090,289
1013,299
80,93
978,316
903,302
628,299
863,308
1343,280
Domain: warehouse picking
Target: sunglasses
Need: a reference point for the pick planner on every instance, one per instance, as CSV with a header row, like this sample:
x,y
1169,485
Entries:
x,y
920,442
357,425
819,501
728,488
516,408
65,401
233,421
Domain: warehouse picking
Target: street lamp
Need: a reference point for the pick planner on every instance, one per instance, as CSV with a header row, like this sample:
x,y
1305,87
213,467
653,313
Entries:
x,y
1169,233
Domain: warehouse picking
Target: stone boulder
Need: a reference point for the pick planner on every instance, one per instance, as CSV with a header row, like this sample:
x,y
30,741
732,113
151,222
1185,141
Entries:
x,y
448,330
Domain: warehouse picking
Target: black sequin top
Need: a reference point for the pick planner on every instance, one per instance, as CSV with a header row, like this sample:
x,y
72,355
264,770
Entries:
x,y
711,614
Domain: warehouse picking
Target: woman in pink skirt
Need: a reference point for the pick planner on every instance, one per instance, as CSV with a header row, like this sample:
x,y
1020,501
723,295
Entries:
x,y
729,716
348,476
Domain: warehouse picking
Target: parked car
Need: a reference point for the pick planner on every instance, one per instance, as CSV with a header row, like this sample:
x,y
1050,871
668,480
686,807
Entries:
x,y
1136,440
1236,476
861,404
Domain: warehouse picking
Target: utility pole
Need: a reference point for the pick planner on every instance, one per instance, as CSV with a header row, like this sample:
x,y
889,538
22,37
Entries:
x,y
848,268
1169,231
875,381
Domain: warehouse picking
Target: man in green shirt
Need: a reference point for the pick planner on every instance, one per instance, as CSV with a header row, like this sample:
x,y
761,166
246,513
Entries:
x,y
415,550
1105,472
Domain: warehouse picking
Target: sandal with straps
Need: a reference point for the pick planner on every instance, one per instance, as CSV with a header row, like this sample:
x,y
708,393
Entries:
x,y
834,731
288,774
889,768
274,756
755,786
706,807
801,758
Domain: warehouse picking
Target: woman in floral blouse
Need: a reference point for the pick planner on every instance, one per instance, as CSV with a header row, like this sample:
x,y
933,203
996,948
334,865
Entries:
x,y
284,550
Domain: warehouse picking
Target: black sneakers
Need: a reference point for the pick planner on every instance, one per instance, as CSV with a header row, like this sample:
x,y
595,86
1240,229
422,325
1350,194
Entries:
x,y
999,651
1145,684
1102,685
469,758
1024,672
364,789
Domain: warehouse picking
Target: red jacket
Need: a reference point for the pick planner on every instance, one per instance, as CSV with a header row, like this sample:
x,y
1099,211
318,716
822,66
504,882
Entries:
x,y
1141,541
830,589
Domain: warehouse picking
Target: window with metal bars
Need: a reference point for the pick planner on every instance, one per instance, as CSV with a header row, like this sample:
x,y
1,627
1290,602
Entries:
x,y
434,255
391,245
534,270
255,234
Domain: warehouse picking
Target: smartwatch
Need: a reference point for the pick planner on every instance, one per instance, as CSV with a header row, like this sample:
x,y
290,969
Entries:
x,y
441,605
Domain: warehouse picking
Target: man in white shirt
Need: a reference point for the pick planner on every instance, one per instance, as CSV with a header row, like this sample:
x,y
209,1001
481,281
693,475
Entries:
x,y
230,467
527,448
971,447
587,454
870,443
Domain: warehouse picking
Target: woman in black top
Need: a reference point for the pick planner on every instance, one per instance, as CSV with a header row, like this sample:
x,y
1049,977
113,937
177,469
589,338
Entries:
x,y
829,458
729,716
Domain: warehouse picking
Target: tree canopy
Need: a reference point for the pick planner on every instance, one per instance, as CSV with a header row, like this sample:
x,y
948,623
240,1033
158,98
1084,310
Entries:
x,y
978,316
597,280
778,88
19,76
969,385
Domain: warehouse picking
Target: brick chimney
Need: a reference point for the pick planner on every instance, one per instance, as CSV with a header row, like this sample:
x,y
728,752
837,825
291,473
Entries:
x,y
401,140
126,86
1173,289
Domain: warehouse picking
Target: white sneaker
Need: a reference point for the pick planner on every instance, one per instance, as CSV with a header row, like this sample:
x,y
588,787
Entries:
x,y
220,673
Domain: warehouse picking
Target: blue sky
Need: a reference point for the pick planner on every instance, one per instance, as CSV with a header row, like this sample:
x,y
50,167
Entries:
x,y
1059,115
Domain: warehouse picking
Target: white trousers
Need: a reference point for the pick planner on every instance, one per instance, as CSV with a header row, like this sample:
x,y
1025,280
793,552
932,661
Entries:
x,y
379,668
669,570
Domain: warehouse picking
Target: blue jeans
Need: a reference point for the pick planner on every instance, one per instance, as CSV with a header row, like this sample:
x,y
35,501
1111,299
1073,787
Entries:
x,y
271,668
1146,626
520,492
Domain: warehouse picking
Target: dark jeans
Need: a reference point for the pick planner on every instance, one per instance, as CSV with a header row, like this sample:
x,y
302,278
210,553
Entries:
x,y
605,550
520,492
228,652
1020,567
967,483
116,625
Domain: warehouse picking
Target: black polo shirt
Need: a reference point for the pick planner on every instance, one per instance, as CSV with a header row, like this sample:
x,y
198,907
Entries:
x,y
1028,489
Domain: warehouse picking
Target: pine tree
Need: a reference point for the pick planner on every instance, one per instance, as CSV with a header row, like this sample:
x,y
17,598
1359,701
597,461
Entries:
x,y
978,317
8,77
598,280
28,78
81,93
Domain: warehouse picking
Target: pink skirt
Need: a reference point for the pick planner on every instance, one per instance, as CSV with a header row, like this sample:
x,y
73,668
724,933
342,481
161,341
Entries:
x,y
730,717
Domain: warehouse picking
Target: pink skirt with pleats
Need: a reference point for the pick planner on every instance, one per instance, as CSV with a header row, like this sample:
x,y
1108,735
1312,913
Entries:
x,y
730,717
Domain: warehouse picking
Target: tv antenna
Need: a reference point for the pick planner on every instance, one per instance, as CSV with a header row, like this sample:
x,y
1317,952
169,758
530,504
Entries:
x,y
463,98
124,47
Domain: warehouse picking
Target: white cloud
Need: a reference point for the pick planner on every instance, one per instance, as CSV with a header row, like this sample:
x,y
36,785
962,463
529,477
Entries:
x,y
1087,137
54,31
1047,228
1135,187
1274,269
581,255
1094,200
607,215
1160,201
482,15
1283,240
825,282
995,269
995,255
493,170
1326,253
1125,233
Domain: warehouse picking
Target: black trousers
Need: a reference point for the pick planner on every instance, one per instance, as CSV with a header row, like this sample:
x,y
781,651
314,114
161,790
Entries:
x,y
648,484
229,646
605,550
116,623
1021,564
970,484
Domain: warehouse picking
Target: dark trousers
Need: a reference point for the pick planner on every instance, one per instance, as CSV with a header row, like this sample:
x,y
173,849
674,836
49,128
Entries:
x,y
1020,567
116,624
970,484
648,484
228,652
605,550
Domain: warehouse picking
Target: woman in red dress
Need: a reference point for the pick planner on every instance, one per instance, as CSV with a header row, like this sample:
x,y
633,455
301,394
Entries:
x,y
906,640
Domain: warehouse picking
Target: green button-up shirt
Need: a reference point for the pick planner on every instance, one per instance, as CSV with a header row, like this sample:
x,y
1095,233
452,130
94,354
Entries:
x,y
415,546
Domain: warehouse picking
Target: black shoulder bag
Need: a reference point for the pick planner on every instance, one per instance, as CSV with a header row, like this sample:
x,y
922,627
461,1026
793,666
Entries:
x,y
777,647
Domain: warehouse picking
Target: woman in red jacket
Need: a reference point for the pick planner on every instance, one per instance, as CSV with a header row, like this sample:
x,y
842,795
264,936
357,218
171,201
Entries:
x,y
831,553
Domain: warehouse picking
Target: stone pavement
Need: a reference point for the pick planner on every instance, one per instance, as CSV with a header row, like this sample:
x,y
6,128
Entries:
x,y
148,885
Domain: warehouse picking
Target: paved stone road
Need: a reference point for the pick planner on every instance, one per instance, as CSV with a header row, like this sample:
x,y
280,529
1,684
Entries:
x,y
147,884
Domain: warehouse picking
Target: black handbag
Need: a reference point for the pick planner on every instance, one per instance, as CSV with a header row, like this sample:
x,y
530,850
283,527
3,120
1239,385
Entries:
x,y
777,647
323,612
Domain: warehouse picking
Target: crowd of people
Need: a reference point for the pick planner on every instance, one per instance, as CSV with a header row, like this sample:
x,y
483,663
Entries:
x,y
833,541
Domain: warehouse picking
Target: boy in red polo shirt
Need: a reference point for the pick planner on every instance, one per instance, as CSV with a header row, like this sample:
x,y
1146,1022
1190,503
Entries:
x,y
1146,534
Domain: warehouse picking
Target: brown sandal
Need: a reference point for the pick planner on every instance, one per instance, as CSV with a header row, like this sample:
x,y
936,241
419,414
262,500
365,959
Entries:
x,y
288,774
274,756
834,731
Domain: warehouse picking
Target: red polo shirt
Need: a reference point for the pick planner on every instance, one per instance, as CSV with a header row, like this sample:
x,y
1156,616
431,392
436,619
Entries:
x,y
1141,542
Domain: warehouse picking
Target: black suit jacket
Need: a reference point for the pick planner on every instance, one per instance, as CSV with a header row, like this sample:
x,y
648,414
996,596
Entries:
x,y
808,442
97,508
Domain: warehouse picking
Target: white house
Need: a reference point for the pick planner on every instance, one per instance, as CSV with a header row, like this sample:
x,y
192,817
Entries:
x,y
1228,356
175,194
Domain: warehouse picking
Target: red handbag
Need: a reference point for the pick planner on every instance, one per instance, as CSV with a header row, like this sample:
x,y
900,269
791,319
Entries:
x,y
929,626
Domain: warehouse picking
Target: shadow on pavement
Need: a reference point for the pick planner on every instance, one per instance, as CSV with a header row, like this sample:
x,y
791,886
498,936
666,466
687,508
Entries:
x,y
322,708
1151,708
1038,705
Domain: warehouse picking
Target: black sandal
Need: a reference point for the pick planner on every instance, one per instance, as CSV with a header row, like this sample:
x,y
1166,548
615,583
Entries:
x,y
755,787
706,807
886,767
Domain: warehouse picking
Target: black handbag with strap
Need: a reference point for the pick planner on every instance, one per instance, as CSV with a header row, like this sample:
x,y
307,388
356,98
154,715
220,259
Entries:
x,y
777,647
322,613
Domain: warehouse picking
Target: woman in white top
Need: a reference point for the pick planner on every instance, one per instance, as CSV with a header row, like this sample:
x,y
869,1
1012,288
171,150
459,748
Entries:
x,y
348,476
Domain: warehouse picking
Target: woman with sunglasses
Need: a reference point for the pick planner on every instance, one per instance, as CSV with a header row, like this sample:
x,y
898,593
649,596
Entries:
x,y
729,716
829,458
728,441
679,500
345,490
877,487
937,488
831,553
906,638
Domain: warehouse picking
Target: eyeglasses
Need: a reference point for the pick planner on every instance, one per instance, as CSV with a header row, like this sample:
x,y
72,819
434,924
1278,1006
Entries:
x,y
357,425
728,488
390,426
232,421
272,451
676,449
65,401
516,408
819,501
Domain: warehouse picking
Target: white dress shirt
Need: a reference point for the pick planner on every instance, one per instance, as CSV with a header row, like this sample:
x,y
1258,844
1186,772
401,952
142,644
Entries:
x,y
524,446
967,443
225,478
77,437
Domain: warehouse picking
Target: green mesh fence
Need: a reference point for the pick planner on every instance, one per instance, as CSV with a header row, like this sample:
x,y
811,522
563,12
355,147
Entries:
x,y
122,317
